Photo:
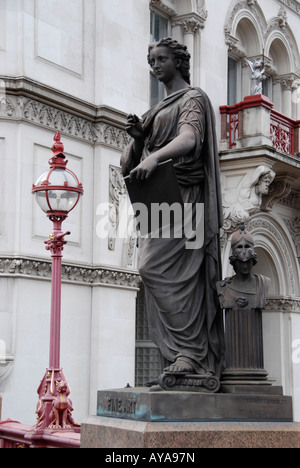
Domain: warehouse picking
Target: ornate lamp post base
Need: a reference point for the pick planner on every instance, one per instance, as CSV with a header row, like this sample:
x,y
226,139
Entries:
x,y
54,409
54,406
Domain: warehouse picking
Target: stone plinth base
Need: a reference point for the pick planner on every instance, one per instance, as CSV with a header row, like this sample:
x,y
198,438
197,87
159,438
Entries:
x,y
141,404
103,432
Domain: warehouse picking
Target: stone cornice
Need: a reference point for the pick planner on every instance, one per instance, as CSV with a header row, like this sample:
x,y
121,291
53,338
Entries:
x,y
26,100
283,304
293,5
161,6
39,269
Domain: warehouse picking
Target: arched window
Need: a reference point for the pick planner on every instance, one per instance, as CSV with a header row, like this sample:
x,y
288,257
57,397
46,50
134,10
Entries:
x,y
249,36
282,62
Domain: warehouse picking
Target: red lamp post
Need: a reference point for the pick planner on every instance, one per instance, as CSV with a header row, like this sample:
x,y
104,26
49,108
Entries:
x,y
57,192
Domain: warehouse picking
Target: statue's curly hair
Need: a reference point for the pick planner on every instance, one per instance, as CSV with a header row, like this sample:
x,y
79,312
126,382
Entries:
x,y
179,51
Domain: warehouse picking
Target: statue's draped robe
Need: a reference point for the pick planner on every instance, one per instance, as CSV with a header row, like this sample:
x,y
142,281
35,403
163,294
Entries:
x,y
183,310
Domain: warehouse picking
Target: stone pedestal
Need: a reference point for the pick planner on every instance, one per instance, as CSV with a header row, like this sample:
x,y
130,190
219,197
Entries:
x,y
140,404
139,418
101,432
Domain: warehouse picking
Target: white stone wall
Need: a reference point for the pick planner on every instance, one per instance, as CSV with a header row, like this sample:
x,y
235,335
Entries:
x,y
79,67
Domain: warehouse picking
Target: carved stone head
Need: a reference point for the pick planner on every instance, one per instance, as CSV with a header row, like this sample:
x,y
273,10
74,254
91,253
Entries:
x,y
242,246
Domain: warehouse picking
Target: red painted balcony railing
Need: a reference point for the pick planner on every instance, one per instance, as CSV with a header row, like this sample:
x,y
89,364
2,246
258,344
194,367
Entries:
x,y
284,132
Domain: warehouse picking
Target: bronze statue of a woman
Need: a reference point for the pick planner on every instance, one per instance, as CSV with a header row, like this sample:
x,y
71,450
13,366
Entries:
x,y
183,310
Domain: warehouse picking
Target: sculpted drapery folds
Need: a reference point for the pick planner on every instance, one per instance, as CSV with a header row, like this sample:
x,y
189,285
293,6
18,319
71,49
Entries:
x,y
184,315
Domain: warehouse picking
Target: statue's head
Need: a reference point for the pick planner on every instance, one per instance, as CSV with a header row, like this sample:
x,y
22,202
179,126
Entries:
x,y
242,247
258,63
179,51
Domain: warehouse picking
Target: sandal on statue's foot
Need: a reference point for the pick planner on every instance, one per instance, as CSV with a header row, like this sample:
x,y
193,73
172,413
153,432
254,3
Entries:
x,y
180,367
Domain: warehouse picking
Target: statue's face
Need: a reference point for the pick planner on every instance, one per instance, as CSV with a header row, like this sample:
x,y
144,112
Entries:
x,y
263,184
243,251
244,268
163,64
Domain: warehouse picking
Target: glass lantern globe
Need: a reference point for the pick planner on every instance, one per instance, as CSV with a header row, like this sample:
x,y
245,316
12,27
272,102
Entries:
x,y
57,191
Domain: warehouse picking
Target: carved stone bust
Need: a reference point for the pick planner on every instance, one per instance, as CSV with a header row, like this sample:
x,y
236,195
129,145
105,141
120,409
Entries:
x,y
245,289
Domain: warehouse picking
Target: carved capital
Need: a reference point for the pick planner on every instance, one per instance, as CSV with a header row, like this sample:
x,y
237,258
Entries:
x,y
189,25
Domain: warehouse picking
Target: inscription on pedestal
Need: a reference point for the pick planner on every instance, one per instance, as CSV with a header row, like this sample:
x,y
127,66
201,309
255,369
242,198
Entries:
x,y
141,404
121,405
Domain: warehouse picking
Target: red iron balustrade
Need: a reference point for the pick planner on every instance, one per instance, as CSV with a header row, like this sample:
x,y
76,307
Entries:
x,y
284,132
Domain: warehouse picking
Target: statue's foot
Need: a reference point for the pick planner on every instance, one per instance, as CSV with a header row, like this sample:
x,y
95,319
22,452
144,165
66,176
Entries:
x,y
180,366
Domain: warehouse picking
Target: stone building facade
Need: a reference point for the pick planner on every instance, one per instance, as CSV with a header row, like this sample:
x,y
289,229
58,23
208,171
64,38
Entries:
x,y
80,67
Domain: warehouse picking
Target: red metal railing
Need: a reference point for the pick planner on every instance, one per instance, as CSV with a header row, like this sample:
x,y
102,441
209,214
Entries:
x,y
284,132
16,435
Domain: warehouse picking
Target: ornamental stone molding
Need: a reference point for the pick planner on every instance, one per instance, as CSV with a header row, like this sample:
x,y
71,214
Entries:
x,y
117,190
277,27
177,8
294,228
283,304
189,24
95,125
240,9
118,200
160,5
278,190
200,8
267,227
293,5
76,274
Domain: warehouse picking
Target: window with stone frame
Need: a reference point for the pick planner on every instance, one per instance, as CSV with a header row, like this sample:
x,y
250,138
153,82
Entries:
x,y
160,27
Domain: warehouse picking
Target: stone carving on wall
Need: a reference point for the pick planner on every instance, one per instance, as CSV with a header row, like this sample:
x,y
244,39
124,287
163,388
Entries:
x,y
117,191
283,304
241,202
159,4
257,68
85,275
292,4
279,190
119,206
200,8
294,228
20,108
